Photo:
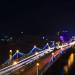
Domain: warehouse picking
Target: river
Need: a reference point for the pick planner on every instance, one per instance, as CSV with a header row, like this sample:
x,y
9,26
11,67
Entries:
x,y
64,65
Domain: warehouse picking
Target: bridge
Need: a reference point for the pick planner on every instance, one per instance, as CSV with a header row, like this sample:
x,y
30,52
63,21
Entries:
x,y
37,60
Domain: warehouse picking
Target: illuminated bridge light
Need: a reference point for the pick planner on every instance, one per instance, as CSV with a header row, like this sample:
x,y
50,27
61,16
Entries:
x,y
34,46
36,53
10,55
10,50
37,64
15,62
17,51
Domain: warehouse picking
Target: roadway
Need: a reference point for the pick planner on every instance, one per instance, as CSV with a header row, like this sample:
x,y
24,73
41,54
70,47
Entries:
x,y
11,68
44,61
22,63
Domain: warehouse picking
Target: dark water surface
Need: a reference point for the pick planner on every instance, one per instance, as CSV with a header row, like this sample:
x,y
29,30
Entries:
x,y
58,67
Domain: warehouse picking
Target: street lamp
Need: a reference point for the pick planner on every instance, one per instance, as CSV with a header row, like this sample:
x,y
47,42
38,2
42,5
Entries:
x,y
52,56
36,53
15,62
37,68
10,55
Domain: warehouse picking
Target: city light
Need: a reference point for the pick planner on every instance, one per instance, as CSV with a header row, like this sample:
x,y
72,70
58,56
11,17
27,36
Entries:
x,y
15,62
10,50
52,54
37,64
36,53
10,55
17,51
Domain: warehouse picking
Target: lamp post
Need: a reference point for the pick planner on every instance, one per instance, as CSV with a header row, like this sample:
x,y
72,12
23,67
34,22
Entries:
x,y
37,68
15,62
36,53
52,56
10,55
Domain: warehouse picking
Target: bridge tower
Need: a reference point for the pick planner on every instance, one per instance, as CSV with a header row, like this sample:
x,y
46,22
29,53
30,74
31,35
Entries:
x,y
17,51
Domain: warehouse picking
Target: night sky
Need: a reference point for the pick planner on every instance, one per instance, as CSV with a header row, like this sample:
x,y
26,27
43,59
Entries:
x,y
36,17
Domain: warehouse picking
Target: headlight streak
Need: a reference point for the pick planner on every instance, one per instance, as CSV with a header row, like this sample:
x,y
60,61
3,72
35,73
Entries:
x,y
31,59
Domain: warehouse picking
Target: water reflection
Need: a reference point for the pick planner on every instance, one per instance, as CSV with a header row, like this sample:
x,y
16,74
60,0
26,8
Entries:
x,y
65,69
71,60
69,64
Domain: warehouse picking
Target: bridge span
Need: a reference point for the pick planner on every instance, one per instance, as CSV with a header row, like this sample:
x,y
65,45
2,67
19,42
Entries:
x,y
36,64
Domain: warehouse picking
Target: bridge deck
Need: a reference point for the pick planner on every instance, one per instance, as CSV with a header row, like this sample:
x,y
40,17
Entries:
x,y
44,61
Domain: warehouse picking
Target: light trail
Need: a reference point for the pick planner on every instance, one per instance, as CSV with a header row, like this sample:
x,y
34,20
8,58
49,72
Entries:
x,y
31,59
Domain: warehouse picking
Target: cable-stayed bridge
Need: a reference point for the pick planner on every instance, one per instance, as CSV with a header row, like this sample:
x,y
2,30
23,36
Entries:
x,y
37,60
